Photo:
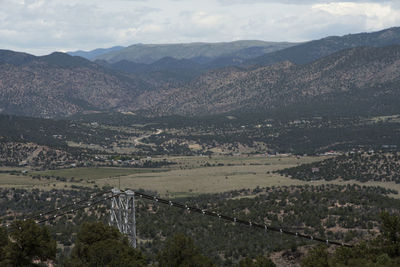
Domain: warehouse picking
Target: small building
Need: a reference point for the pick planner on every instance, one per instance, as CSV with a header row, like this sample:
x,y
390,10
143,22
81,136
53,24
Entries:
x,y
314,169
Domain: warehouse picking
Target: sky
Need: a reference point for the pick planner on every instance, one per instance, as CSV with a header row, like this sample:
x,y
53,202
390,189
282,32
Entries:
x,y
43,26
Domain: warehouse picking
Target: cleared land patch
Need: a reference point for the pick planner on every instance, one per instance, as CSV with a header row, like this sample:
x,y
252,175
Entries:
x,y
94,173
191,176
198,175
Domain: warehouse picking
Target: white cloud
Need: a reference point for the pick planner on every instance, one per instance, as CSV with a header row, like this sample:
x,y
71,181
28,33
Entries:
x,y
293,2
376,15
207,20
43,26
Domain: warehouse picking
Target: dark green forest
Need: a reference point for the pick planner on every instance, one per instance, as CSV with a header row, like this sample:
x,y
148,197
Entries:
x,y
28,244
360,166
348,214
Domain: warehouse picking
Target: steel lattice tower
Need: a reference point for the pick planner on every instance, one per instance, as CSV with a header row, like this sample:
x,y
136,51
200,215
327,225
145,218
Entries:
x,y
123,214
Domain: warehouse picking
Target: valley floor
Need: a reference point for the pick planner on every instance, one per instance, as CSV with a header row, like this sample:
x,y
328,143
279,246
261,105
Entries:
x,y
190,176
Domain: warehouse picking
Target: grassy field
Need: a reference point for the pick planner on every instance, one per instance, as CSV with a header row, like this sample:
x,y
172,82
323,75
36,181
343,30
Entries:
x,y
189,177
198,161
16,180
82,176
197,175
94,173
181,183
26,182
3,168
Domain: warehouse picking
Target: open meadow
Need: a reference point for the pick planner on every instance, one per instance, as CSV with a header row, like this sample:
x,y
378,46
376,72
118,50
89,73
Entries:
x,y
190,176
88,174
236,173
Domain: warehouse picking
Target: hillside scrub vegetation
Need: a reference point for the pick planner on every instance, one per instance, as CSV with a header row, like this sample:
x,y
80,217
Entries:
x,y
360,166
101,245
339,213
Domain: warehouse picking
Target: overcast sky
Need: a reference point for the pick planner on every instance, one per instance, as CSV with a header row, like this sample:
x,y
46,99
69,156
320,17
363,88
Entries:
x,y
43,26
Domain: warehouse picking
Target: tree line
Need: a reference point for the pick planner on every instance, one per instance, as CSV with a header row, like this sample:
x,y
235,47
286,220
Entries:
x,y
26,243
97,244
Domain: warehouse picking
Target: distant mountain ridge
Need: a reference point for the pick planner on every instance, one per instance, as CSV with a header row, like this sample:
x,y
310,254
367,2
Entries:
x,y
188,61
310,51
60,85
365,79
360,80
54,59
167,68
15,58
95,53
149,53
357,81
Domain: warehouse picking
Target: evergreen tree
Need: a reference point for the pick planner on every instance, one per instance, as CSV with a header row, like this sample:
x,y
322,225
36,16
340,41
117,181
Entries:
x,y
101,245
260,261
3,243
29,242
381,251
180,251
391,233
317,257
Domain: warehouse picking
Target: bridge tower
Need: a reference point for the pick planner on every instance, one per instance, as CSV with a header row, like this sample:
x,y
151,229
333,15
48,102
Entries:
x,y
123,213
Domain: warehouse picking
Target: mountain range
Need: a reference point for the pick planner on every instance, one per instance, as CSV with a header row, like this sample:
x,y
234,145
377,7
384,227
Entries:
x,y
183,62
365,79
353,74
310,51
91,55
61,85
198,52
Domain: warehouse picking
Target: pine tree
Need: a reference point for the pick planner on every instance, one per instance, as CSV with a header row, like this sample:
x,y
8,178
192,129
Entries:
x,y
180,251
28,242
101,245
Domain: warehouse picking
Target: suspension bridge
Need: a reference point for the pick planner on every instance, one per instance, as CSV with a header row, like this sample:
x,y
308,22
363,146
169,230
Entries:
x,y
122,214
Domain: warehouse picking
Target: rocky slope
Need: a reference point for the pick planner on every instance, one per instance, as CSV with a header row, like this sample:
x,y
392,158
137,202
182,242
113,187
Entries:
x,y
362,76
362,80
31,154
310,51
60,85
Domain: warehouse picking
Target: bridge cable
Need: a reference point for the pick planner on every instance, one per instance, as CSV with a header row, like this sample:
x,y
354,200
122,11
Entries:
x,y
181,206
238,221
75,206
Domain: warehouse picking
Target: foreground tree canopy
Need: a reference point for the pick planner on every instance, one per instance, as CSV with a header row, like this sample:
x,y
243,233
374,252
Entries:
x,y
381,251
180,251
27,243
101,245
260,261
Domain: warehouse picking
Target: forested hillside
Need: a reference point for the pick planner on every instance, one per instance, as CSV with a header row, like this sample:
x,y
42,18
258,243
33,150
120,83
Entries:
x,y
313,50
346,213
149,53
358,81
61,85
362,80
359,166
